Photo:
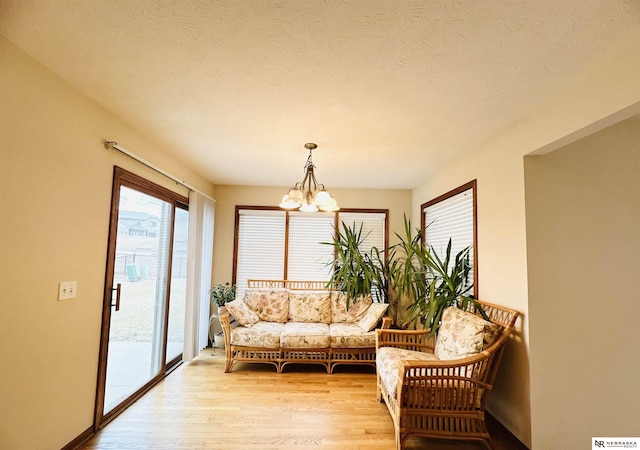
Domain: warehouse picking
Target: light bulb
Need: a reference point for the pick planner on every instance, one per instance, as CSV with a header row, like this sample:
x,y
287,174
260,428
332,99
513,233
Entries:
x,y
330,206
322,197
309,207
287,203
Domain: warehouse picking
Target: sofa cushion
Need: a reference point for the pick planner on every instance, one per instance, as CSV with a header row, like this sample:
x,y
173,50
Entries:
x,y
357,307
443,389
462,334
309,307
389,362
271,305
241,312
372,316
261,335
305,335
348,335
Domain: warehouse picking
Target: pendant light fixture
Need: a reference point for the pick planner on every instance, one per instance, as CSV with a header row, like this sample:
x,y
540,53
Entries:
x,y
308,195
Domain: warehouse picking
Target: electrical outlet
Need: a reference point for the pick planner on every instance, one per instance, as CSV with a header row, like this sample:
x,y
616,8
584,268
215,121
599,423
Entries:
x,y
67,290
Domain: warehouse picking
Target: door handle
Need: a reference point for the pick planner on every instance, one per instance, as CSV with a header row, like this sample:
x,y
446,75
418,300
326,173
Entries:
x,y
117,289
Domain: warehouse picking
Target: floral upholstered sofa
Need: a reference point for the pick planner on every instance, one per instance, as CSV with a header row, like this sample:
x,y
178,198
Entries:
x,y
280,322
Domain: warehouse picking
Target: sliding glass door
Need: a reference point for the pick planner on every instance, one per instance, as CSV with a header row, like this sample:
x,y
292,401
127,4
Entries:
x,y
145,290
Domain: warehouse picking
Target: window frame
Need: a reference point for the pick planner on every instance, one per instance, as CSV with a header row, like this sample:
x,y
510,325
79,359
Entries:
x,y
473,186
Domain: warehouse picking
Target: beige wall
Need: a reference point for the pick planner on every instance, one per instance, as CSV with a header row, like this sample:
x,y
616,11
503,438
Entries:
x,y
227,197
583,239
501,266
55,195
597,98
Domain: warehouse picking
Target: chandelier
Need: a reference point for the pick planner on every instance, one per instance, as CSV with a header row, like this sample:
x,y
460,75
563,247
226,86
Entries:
x,y
308,195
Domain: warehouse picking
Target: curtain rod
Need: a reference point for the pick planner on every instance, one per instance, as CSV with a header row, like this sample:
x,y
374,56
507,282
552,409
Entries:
x,y
113,145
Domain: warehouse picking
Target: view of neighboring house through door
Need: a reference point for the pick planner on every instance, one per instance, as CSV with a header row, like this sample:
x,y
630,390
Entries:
x,y
145,290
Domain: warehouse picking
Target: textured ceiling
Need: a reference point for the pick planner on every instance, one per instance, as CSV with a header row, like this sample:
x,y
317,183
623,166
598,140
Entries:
x,y
388,89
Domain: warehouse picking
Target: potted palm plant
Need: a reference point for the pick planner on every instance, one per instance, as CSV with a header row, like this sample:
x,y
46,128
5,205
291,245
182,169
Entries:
x,y
389,274
395,273
407,275
219,295
354,270
447,284
407,269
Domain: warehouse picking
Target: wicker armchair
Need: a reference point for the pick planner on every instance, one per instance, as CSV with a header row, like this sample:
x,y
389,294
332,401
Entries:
x,y
439,398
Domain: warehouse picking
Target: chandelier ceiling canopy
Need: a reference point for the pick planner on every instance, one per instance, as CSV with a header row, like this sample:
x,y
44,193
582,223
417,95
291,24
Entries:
x,y
308,195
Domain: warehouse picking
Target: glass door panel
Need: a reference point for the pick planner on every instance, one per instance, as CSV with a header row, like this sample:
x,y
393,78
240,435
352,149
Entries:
x,y
136,332
175,329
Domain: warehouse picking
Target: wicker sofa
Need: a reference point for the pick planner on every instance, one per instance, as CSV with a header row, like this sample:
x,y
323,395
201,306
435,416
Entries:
x,y
281,322
438,386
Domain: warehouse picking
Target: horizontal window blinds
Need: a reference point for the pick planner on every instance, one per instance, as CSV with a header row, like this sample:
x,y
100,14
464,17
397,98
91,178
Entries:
x,y
451,218
372,228
260,247
373,233
308,258
268,248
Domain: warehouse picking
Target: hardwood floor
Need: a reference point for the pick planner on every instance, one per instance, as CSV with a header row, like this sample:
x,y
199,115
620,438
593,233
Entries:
x,y
198,406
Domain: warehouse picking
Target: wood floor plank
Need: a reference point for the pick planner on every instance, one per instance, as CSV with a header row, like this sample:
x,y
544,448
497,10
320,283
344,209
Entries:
x,y
199,406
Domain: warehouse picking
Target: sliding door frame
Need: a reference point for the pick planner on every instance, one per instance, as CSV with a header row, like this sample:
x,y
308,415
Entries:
x,y
124,178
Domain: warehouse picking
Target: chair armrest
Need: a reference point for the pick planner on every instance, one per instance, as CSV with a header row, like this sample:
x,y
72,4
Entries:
x,y
460,385
418,340
386,323
224,316
476,370
225,319
446,365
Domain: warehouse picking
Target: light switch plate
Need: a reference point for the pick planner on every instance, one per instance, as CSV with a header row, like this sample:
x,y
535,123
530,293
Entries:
x,y
67,290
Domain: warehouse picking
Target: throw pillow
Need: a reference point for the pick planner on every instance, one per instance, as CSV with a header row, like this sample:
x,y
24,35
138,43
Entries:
x,y
309,307
357,307
373,316
271,305
241,312
463,334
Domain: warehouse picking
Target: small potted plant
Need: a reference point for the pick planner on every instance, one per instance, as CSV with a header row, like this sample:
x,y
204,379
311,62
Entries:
x,y
219,294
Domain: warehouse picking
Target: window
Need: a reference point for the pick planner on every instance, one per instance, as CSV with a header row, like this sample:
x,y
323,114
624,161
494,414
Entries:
x,y
259,248
453,216
287,245
307,257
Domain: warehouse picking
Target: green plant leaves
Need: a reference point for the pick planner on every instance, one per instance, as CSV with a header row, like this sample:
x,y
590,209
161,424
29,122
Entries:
x,y
406,269
354,270
409,277
222,293
448,286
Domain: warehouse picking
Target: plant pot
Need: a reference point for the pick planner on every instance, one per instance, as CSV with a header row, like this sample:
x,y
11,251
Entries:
x,y
218,340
